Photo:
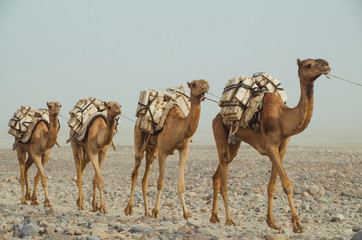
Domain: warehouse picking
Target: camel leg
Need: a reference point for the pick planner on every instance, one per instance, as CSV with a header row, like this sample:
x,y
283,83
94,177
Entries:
x,y
40,174
139,151
184,153
102,156
44,161
77,156
150,157
97,182
287,187
226,153
28,164
216,187
160,183
271,189
138,159
21,157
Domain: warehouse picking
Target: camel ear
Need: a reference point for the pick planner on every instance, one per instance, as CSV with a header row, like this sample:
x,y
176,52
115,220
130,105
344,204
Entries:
x,y
48,104
105,104
188,84
299,62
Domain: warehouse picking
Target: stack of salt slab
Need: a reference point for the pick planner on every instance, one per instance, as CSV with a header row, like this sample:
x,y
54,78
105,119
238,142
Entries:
x,y
236,98
24,121
83,112
269,84
239,92
154,105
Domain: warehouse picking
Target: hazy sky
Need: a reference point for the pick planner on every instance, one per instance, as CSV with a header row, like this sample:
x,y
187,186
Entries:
x,y
67,50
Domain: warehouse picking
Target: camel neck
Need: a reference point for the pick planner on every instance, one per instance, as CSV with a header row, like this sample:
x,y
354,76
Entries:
x,y
192,119
109,132
53,132
300,116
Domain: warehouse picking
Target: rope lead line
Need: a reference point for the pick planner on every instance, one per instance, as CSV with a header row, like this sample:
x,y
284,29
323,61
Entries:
x,y
330,75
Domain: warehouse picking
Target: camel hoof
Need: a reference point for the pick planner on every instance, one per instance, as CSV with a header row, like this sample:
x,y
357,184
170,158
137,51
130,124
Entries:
x,y
274,226
27,197
103,210
23,202
147,213
298,228
129,210
187,215
47,204
214,218
155,213
34,203
80,204
230,222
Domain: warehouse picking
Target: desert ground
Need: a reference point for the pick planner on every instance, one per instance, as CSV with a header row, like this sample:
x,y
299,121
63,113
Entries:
x,y
327,195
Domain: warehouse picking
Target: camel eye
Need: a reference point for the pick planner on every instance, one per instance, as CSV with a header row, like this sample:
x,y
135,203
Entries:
x,y
109,107
193,84
309,65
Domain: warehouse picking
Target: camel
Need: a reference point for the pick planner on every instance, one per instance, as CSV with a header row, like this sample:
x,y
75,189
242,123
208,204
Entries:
x,y
38,148
94,149
176,134
278,124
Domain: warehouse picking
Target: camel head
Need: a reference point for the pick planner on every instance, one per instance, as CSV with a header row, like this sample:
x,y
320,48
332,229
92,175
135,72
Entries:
x,y
311,69
113,109
54,108
198,88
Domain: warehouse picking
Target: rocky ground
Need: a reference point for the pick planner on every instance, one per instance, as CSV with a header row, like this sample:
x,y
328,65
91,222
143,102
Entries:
x,y
327,195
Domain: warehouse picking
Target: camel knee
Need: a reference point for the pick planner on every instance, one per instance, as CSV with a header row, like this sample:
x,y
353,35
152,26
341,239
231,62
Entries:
x,y
160,185
271,189
22,181
226,158
223,189
181,188
288,189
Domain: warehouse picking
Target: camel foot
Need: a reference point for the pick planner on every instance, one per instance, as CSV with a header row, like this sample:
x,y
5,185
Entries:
x,y
148,213
272,224
23,202
27,196
80,204
297,225
34,202
230,222
47,203
155,213
129,209
187,215
214,218
102,209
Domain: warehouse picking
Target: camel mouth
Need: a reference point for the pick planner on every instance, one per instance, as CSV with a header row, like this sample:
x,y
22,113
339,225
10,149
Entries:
x,y
203,87
326,69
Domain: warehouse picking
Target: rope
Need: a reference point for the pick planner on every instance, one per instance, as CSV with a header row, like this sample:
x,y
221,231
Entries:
x,y
203,99
330,75
213,95
63,117
128,118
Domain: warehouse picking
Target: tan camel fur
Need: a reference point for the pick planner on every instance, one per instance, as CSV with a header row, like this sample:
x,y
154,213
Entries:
x,y
38,148
176,134
94,149
278,124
